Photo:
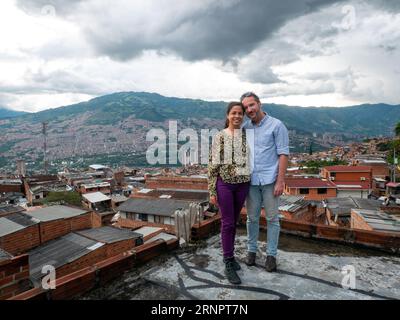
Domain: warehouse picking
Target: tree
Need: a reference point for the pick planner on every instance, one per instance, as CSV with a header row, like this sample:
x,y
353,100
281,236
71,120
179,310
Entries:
x,y
397,130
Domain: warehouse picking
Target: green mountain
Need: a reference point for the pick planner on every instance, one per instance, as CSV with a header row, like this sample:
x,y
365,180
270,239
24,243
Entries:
x,y
365,120
112,128
7,113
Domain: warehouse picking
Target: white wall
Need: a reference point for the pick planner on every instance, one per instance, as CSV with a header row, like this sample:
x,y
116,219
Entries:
x,y
352,193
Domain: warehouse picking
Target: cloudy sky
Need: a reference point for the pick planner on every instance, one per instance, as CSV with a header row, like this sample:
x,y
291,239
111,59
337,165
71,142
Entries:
x,y
303,52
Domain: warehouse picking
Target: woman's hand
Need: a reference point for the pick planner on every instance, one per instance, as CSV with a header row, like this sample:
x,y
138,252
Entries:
x,y
214,200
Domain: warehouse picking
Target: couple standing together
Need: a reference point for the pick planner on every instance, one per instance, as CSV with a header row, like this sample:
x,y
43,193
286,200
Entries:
x,y
248,162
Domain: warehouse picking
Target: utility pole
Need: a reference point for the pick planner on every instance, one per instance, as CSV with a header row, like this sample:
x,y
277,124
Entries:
x,y
44,131
395,162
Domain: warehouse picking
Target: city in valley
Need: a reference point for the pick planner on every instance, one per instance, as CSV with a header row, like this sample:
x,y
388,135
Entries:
x,y
150,232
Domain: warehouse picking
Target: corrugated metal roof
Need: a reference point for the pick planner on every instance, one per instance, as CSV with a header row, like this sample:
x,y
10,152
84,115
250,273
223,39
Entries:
x,y
109,234
59,252
7,227
10,181
348,185
97,166
95,197
96,185
10,209
195,195
380,221
56,212
159,207
308,183
348,168
15,222
118,198
292,203
343,206
368,204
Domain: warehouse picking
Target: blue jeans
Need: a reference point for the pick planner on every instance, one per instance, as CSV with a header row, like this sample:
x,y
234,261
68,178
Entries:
x,y
258,196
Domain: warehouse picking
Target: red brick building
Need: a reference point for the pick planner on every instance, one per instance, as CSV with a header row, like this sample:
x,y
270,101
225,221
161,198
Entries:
x,y
14,275
56,221
339,174
355,181
103,187
11,185
177,182
310,189
82,249
19,233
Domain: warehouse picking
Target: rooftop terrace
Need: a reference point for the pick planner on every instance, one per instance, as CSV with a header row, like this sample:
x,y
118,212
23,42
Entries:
x,y
307,269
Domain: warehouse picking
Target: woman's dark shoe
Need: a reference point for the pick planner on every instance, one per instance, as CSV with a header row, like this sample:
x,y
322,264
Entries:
x,y
236,264
230,273
251,259
270,264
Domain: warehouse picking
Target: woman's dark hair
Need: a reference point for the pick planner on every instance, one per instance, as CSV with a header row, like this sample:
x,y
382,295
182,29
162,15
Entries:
x,y
230,107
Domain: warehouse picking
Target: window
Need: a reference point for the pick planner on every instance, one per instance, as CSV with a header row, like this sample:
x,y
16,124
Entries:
x,y
158,219
304,191
143,217
322,191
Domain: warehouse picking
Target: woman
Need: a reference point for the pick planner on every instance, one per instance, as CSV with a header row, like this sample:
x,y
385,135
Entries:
x,y
228,179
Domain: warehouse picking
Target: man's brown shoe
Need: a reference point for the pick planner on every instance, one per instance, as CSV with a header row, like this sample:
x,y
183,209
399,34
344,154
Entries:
x,y
270,264
251,259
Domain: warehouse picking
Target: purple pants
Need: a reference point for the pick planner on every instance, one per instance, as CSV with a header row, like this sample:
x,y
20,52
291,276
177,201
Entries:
x,y
231,198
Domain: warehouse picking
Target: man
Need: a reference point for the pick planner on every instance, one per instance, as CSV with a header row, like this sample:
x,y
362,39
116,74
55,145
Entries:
x,y
269,144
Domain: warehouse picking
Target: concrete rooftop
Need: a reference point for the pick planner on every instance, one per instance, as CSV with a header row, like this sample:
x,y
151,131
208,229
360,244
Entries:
x,y
308,269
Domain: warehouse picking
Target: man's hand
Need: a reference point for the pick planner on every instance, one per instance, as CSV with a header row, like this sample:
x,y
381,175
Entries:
x,y
214,200
279,187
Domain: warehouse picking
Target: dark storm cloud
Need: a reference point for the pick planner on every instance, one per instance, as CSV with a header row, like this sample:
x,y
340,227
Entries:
x,y
388,5
218,32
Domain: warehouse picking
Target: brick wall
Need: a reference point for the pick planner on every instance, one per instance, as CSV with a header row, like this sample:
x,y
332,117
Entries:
x,y
14,276
380,171
21,241
206,228
100,254
99,274
96,220
313,193
11,188
81,222
116,248
389,242
358,222
54,229
87,260
136,224
176,183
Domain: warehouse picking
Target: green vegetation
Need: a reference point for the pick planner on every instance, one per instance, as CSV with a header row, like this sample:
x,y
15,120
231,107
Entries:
x,y
394,145
364,120
65,197
314,166
9,144
397,130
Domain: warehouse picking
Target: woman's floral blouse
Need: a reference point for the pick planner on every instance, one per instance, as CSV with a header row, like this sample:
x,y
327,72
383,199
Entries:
x,y
229,159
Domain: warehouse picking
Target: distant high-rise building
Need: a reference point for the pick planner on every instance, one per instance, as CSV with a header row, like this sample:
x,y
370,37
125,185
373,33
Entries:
x,y
21,168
